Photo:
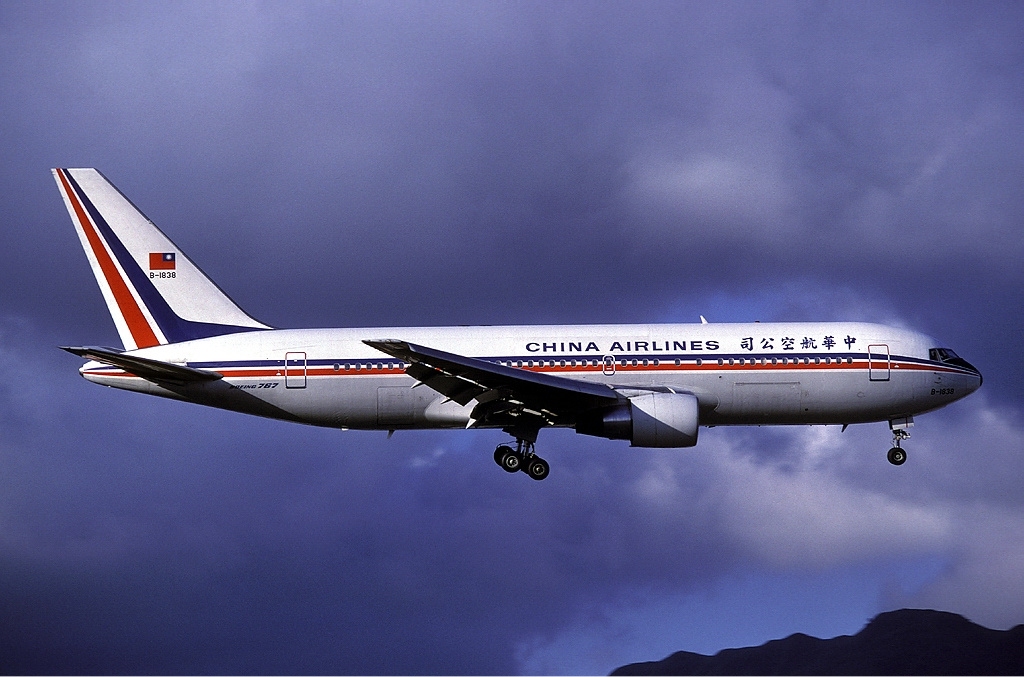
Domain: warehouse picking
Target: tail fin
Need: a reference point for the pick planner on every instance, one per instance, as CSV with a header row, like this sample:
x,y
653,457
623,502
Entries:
x,y
155,293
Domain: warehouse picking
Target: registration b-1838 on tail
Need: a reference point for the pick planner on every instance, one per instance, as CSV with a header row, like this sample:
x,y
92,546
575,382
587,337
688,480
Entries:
x,y
651,384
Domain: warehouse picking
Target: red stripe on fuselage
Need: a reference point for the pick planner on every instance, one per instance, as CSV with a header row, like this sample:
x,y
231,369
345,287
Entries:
x,y
142,333
710,365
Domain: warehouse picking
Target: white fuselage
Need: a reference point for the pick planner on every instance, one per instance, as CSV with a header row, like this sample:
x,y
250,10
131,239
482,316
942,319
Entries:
x,y
741,374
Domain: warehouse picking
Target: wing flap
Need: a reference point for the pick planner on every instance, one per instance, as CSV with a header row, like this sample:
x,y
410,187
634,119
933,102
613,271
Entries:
x,y
452,387
144,367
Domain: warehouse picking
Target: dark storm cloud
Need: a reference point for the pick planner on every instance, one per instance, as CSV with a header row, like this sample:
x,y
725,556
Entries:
x,y
645,142
351,165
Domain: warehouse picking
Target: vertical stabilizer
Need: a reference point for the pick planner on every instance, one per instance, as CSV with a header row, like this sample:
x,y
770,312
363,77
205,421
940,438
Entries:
x,y
154,292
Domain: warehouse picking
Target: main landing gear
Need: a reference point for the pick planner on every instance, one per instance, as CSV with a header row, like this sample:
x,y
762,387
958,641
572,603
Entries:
x,y
521,458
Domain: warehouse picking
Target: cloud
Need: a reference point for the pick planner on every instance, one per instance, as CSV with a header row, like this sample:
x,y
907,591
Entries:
x,y
819,513
982,580
811,519
710,190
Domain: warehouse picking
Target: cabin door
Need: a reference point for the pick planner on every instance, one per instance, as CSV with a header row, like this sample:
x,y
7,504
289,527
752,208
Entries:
x,y
878,362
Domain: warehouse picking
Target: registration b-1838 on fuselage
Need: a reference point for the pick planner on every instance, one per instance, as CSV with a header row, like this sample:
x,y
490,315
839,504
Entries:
x,y
651,384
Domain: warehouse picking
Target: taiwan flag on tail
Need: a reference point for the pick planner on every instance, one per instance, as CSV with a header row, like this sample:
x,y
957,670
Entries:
x,y
161,261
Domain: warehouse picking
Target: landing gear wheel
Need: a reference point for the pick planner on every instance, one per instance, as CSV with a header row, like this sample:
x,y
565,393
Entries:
x,y
537,468
521,457
500,452
897,456
511,461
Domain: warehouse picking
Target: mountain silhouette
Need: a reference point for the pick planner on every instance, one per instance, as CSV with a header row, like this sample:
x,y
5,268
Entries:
x,y
904,642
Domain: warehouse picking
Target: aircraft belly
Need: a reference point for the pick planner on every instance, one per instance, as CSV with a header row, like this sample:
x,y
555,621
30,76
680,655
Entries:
x,y
124,381
402,406
761,401
366,402
336,402
813,398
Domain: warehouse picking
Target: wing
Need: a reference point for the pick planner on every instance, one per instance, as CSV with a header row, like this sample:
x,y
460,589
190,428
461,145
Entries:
x,y
144,367
507,396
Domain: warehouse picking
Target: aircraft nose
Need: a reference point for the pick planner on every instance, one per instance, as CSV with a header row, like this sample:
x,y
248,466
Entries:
x,y
977,373
975,370
953,358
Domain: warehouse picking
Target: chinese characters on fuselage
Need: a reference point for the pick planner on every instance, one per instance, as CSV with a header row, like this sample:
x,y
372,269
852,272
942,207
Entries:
x,y
788,343
749,343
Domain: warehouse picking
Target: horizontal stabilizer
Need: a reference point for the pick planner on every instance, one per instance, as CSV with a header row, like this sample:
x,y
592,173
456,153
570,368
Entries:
x,y
144,367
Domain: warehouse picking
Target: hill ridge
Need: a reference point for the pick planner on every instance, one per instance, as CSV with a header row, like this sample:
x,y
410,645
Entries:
x,y
902,642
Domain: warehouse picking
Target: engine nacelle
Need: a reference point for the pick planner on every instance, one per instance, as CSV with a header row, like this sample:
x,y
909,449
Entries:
x,y
649,420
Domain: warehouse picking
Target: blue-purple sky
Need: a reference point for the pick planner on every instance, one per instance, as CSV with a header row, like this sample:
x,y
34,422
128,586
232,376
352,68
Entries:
x,y
375,164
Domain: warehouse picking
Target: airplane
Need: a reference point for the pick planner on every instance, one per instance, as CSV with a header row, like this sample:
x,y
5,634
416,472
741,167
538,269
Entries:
x,y
653,385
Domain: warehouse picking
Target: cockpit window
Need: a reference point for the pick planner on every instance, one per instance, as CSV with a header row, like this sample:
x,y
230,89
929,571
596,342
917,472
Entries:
x,y
942,355
948,356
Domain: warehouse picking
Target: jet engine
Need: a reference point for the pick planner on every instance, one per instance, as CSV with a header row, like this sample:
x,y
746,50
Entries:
x,y
649,420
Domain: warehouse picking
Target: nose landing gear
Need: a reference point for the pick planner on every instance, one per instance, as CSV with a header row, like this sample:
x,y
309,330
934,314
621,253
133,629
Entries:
x,y
896,455
522,458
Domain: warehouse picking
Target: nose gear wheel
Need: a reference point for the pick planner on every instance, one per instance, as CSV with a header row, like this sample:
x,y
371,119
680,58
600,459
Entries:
x,y
897,456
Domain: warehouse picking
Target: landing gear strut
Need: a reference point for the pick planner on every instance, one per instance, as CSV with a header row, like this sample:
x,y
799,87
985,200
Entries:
x,y
522,458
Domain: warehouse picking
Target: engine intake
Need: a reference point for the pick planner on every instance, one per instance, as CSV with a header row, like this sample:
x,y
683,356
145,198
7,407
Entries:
x,y
649,420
